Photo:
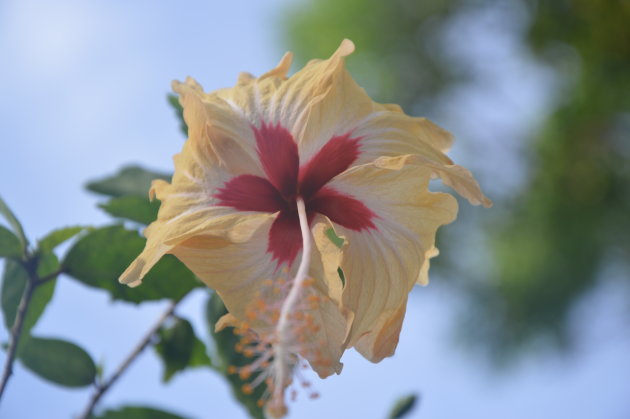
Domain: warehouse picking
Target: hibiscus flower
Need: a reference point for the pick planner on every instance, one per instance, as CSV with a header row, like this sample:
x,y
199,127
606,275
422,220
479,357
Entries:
x,y
271,168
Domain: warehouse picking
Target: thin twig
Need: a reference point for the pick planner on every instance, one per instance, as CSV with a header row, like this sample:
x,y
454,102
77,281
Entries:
x,y
50,277
141,346
16,332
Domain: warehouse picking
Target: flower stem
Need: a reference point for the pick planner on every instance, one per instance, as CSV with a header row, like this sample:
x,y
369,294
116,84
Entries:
x,y
283,329
16,331
101,388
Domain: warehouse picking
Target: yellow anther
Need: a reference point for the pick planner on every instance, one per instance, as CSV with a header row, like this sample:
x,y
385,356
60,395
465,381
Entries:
x,y
275,315
232,369
245,373
247,389
260,304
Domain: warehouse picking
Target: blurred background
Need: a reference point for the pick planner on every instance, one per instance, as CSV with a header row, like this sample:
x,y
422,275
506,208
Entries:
x,y
528,311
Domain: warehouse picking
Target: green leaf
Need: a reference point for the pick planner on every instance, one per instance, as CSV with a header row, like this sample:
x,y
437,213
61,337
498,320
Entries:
x,y
130,180
403,406
14,223
173,100
58,361
179,348
99,257
130,412
134,208
342,276
337,241
47,264
56,237
14,281
10,246
199,356
225,342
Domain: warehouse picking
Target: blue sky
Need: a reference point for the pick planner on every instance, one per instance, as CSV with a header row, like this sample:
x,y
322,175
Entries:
x,y
83,93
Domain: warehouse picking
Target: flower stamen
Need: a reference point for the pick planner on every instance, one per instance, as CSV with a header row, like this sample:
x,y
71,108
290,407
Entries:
x,y
275,333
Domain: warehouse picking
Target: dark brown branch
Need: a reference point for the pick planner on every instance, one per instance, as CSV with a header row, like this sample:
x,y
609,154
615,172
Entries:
x,y
140,347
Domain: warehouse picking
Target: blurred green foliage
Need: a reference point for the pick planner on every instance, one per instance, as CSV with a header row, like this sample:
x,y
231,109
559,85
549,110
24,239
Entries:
x,y
399,57
573,216
226,341
96,257
58,361
136,412
14,280
403,407
179,348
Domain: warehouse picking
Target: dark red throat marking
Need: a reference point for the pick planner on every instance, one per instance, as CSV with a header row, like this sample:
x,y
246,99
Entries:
x,y
286,180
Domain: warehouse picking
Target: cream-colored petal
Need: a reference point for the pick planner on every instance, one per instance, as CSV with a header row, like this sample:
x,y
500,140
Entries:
x,y
457,177
391,133
322,101
219,135
220,147
316,103
381,265
243,273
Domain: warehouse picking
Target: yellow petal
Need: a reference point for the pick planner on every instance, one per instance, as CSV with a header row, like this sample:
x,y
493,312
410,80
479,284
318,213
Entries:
x,y
457,177
221,145
316,103
244,274
392,133
219,135
381,265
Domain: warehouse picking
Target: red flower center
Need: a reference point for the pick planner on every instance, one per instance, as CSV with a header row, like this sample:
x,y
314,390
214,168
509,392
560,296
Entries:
x,y
286,180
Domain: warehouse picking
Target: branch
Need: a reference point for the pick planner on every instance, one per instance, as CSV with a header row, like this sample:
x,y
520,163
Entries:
x,y
16,332
50,277
141,346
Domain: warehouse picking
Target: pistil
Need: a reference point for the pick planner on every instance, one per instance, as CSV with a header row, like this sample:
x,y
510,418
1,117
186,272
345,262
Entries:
x,y
282,362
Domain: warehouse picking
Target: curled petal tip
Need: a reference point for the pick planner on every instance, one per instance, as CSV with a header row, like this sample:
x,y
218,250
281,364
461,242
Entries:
x,y
190,83
285,62
176,85
282,69
345,48
133,275
130,281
